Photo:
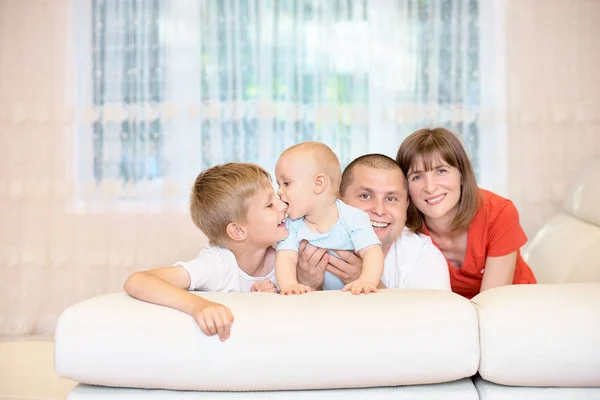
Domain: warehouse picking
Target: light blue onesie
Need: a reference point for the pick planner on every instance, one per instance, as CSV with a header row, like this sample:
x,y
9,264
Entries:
x,y
352,231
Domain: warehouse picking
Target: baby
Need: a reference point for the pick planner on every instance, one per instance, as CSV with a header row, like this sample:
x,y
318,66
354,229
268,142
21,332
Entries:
x,y
309,175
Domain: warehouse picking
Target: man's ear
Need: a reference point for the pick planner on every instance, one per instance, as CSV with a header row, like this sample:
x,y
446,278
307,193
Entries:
x,y
407,201
236,231
320,183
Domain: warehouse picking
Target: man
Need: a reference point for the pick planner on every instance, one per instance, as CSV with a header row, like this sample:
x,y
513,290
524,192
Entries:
x,y
376,184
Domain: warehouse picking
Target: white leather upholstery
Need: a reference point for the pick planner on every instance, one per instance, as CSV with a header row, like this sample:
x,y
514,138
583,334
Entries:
x,y
314,341
457,390
491,391
583,197
540,335
565,249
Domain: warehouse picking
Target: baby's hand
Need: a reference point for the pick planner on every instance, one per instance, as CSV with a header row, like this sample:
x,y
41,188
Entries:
x,y
214,318
295,288
359,286
264,286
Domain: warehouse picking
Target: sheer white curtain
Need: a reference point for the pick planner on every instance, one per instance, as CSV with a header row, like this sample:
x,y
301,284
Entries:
x,y
175,87
358,91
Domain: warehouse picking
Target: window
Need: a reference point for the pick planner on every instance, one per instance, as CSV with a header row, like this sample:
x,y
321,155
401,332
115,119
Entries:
x,y
170,88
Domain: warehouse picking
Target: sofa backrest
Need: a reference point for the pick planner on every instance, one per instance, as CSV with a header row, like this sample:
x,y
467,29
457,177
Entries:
x,y
567,248
321,340
532,335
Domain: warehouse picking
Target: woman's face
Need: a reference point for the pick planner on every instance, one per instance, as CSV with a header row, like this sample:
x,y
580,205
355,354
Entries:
x,y
435,193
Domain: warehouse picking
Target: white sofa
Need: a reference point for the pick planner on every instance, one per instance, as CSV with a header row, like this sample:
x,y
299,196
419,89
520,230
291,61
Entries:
x,y
565,249
515,342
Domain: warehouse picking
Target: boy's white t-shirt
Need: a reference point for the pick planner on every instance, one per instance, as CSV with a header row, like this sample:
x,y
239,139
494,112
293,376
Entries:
x,y
216,270
414,262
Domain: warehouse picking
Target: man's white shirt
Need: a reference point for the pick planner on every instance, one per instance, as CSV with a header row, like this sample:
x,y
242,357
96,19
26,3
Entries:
x,y
414,262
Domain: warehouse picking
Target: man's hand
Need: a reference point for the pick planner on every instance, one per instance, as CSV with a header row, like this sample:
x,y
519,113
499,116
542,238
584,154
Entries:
x,y
348,268
312,262
264,286
359,286
214,318
295,288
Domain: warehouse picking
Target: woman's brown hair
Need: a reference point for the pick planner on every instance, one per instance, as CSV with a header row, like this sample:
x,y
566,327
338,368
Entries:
x,y
424,148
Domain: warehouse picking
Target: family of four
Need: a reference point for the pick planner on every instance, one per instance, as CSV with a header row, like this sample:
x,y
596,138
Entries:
x,y
417,222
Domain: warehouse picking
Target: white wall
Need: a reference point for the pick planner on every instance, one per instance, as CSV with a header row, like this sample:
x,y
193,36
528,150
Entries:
x,y
553,96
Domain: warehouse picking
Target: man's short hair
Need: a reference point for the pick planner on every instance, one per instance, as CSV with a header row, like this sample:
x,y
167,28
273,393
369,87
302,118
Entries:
x,y
377,161
221,195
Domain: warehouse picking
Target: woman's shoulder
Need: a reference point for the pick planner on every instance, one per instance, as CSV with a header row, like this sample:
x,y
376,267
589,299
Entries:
x,y
496,207
493,201
492,198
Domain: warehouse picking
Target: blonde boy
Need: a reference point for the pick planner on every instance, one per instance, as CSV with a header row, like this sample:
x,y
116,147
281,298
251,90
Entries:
x,y
308,175
235,206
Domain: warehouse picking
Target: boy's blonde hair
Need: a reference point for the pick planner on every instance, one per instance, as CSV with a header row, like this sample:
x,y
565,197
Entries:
x,y
325,160
221,195
427,146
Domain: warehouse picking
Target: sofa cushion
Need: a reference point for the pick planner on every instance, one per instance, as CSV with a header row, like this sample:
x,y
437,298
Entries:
x,y
315,341
540,335
583,197
565,250
458,390
491,391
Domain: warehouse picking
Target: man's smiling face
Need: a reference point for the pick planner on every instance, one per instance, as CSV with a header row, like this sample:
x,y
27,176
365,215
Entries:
x,y
380,193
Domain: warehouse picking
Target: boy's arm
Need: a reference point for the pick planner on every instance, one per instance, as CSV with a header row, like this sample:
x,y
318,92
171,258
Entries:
x,y
285,273
167,287
164,286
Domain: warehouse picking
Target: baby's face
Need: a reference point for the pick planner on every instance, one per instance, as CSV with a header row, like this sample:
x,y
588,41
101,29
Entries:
x,y
295,180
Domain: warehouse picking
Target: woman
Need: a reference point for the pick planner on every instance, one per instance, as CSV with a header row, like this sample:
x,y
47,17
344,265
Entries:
x,y
477,231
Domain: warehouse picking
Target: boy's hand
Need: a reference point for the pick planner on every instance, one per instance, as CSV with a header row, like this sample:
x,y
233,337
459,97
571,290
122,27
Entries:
x,y
214,318
264,286
295,288
359,286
